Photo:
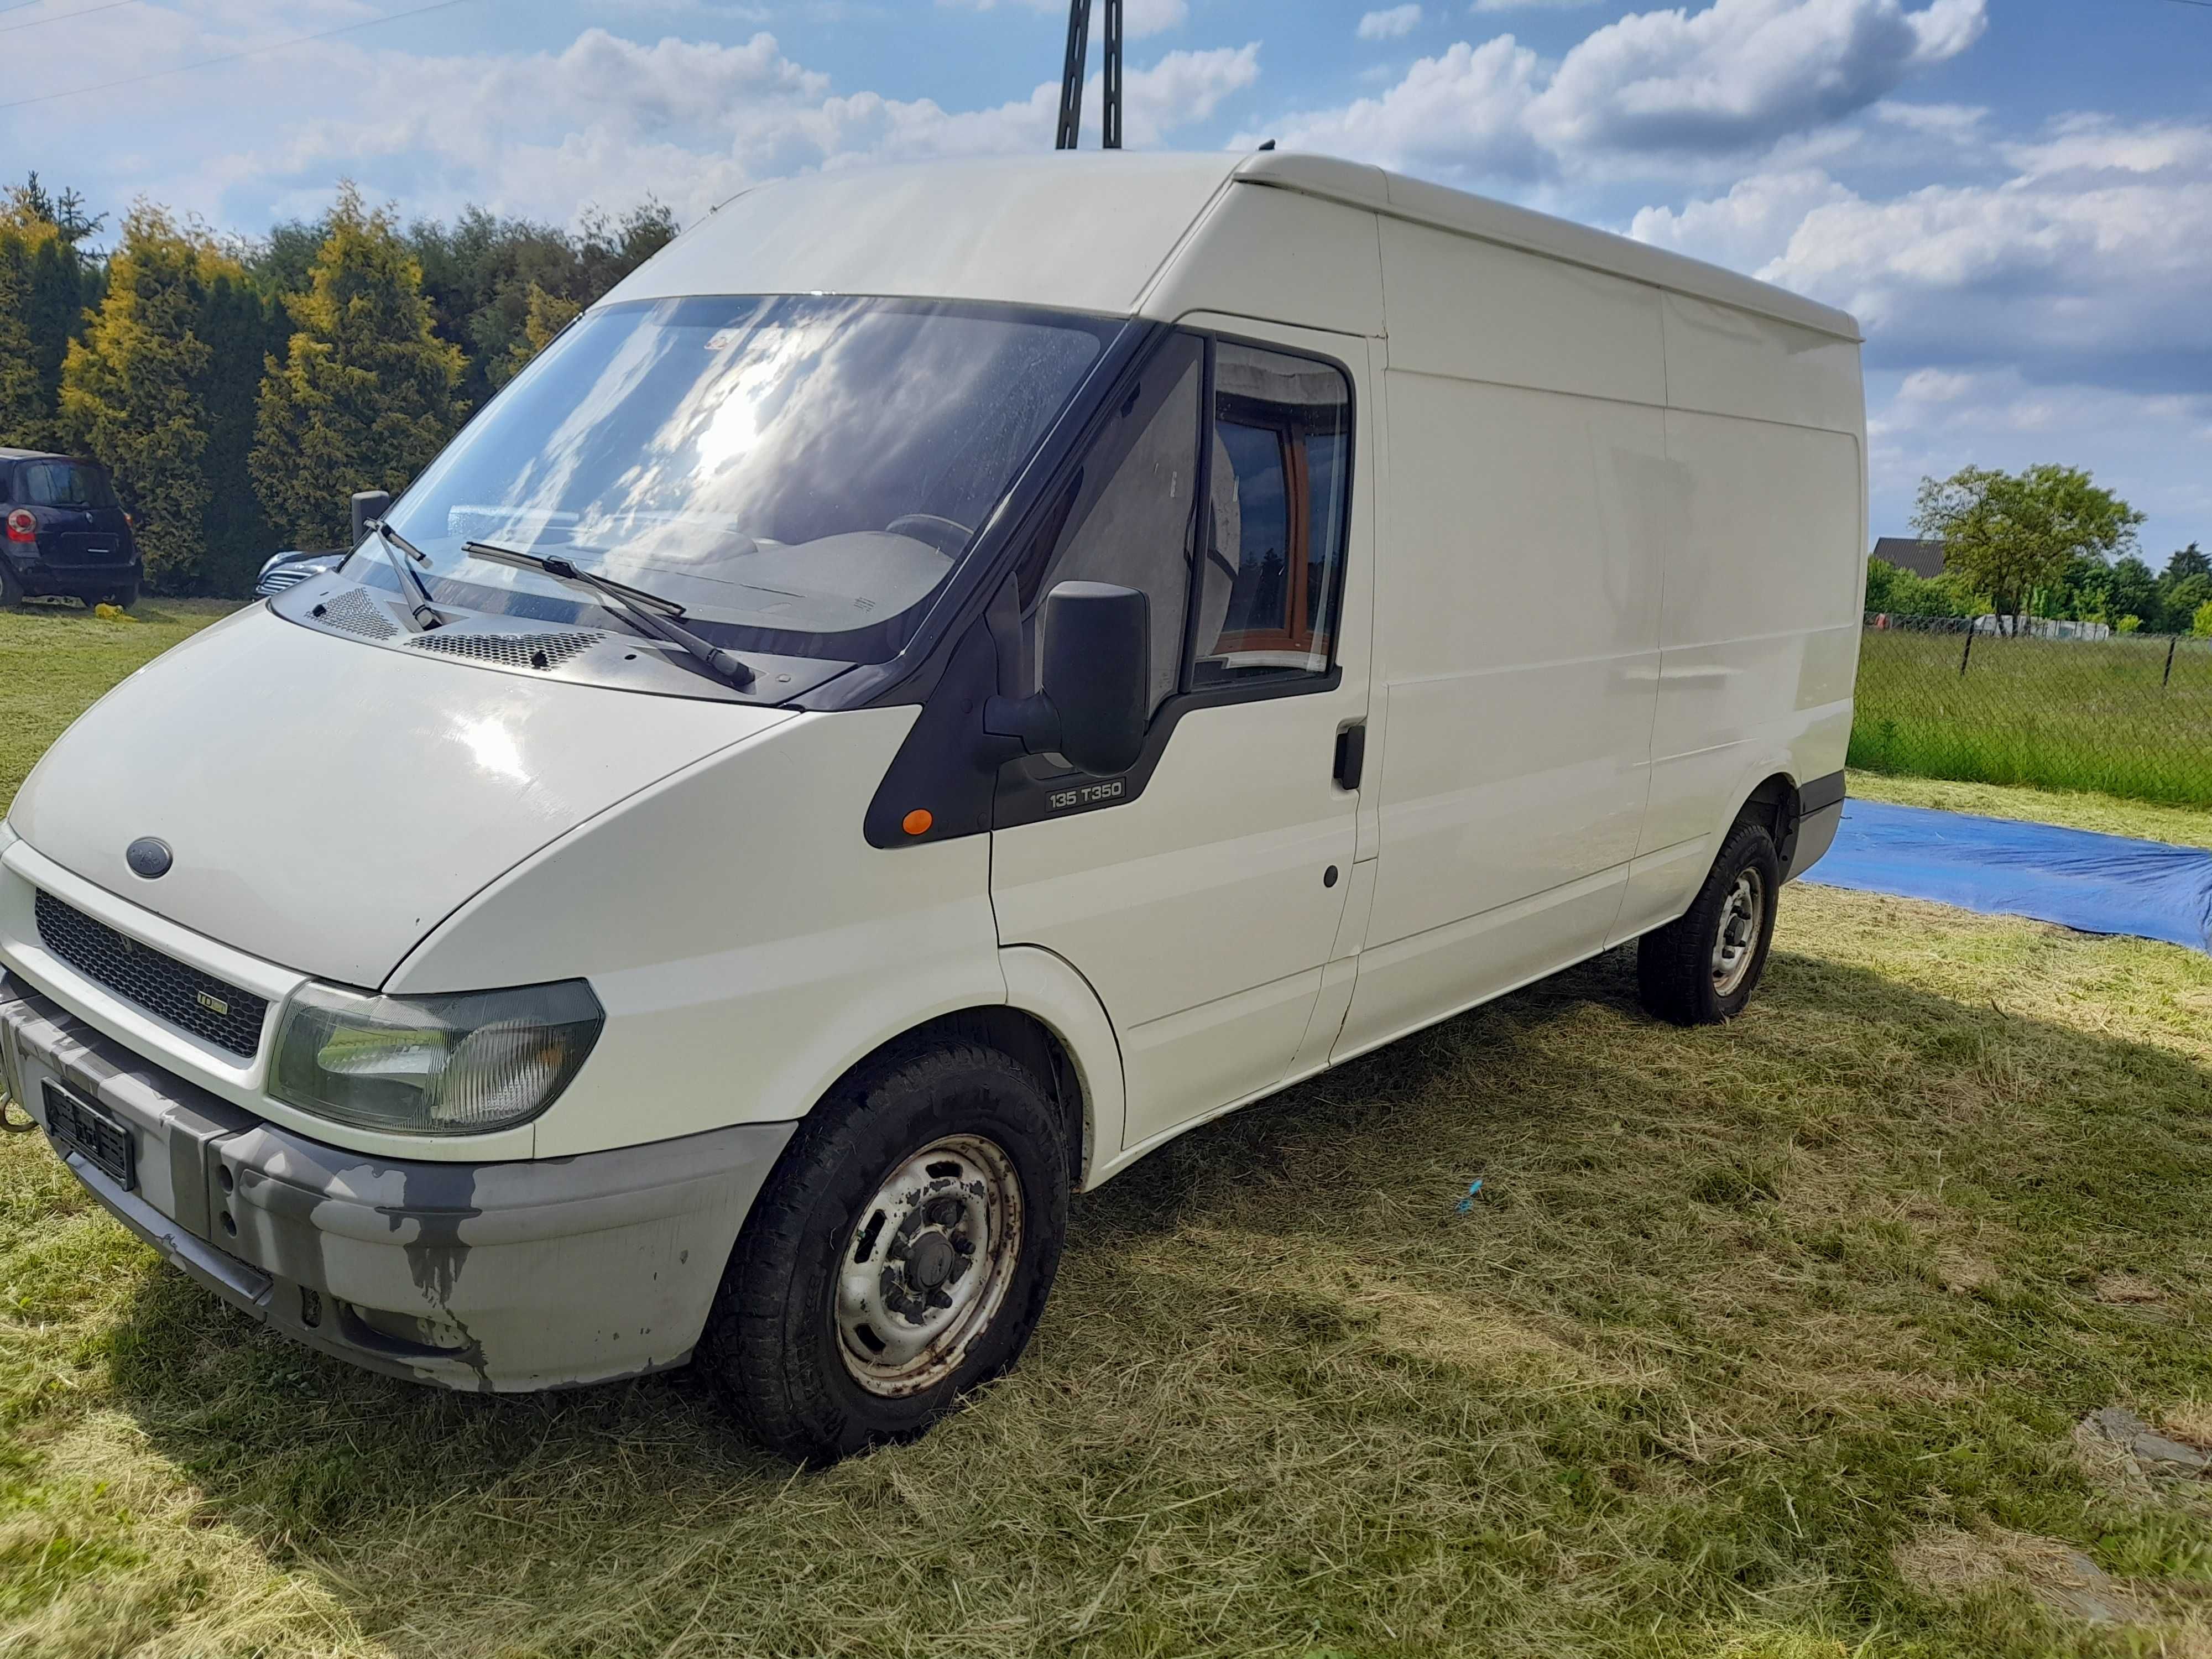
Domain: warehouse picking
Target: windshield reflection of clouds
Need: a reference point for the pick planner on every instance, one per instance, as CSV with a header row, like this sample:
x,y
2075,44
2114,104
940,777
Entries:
x,y
748,456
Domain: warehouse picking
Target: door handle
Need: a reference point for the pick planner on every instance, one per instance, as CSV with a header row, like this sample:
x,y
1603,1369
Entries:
x,y
1351,753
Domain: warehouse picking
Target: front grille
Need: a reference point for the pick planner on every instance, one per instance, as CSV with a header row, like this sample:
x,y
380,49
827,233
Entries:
x,y
284,577
201,1004
353,611
510,650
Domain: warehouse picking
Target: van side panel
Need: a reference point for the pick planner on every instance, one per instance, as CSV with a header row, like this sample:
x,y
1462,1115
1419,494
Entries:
x,y
1764,580
1279,256
1517,620
1477,312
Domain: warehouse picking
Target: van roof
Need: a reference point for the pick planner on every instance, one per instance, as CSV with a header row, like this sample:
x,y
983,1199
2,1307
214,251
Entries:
x,y
1090,231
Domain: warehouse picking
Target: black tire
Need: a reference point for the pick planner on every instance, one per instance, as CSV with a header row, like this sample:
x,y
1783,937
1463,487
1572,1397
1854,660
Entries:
x,y
11,587
773,1346
124,596
1679,968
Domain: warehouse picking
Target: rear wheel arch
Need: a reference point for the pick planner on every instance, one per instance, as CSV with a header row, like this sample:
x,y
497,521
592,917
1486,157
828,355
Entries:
x,y
1773,806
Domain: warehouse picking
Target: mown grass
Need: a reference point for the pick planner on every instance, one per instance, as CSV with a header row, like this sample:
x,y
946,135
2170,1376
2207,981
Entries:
x,y
2055,714
1745,1326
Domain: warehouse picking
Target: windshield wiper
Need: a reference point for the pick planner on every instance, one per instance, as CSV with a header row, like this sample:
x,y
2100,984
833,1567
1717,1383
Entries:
x,y
648,612
424,613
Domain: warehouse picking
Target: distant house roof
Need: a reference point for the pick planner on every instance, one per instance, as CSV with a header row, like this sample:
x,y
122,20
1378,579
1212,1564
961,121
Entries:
x,y
1921,558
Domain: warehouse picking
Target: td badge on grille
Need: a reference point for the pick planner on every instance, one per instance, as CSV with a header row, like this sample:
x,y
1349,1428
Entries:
x,y
148,857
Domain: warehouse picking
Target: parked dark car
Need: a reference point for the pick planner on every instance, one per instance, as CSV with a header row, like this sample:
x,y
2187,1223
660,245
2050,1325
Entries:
x,y
61,532
289,569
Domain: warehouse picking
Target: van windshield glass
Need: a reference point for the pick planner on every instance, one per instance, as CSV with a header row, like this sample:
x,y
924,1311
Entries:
x,y
799,472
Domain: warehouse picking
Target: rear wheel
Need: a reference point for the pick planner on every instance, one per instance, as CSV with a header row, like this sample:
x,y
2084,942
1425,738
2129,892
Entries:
x,y
900,1255
124,596
1702,968
11,587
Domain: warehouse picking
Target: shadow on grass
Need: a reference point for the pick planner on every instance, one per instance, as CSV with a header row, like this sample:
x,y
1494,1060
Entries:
x,y
1703,1352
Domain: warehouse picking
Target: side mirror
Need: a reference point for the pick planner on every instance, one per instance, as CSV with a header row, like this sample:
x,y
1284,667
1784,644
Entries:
x,y
1096,698
368,504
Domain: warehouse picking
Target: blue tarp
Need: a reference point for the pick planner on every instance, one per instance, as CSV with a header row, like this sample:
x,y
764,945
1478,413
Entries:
x,y
2097,883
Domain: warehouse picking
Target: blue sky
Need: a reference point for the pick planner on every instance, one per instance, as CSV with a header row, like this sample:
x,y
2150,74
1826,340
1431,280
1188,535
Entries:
x,y
2015,196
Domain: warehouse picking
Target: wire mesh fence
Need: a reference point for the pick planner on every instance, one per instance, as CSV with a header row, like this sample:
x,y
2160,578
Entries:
x,y
1945,697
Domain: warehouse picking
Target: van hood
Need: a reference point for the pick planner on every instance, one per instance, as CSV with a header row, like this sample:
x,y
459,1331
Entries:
x,y
327,803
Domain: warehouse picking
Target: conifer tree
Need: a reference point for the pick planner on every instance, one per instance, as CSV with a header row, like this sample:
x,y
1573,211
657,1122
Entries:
x,y
134,390
22,402
364,395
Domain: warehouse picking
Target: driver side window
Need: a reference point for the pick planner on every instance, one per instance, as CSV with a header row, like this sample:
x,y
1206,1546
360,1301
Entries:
x,y
1125,518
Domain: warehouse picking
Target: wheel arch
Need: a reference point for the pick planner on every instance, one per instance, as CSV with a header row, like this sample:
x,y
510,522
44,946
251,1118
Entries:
x,y
1054,1025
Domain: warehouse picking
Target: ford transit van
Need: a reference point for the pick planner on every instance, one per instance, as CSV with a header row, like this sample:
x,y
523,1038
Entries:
x,y
946,678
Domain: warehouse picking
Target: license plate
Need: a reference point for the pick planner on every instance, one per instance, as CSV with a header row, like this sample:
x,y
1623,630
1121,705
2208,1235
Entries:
x,y
81,1127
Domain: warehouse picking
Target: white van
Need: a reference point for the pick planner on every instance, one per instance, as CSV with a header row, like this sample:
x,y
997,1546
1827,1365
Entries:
x,y
946,678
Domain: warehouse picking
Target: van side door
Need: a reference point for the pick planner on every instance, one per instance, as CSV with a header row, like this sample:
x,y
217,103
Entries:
x,y
1201,893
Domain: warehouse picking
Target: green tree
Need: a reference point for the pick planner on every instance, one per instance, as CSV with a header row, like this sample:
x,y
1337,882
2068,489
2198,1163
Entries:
x,y
135,390
365,394
2201,625
2008,534
22,400
2181,603
51,278
2190,560
2132,591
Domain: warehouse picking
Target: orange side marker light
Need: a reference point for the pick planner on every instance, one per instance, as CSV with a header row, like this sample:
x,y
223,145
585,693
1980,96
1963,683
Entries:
x,y
917,821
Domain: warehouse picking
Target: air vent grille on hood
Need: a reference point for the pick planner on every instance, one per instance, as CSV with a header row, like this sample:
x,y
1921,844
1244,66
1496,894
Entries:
x,y
509,650
354,612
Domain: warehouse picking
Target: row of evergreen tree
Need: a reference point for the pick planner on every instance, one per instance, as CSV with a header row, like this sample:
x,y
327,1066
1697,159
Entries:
x,y
240,389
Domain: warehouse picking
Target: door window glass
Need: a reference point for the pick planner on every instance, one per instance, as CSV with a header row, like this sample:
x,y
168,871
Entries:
x,y
1274,561
1125,518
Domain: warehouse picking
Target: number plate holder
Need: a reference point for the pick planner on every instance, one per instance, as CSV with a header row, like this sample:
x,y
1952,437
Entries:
x,y
78,1126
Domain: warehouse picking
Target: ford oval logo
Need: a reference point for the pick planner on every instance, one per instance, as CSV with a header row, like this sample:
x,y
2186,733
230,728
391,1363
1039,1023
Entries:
x,y
147,857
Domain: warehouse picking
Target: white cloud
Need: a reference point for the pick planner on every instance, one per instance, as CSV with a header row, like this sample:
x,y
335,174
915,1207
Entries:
x,y
1392,25
1746,227
1138,17
1742,72
1529,5
604,119
1647,89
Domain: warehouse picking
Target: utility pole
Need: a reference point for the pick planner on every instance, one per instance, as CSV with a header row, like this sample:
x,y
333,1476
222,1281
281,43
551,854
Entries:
x,y
1070,75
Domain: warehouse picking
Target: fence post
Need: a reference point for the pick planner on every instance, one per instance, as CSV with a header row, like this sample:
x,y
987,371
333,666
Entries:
x,y
2166,679
1963,656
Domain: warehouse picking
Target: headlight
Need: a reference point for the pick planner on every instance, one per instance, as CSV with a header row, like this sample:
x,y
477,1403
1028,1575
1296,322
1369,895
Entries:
x,y
433,1066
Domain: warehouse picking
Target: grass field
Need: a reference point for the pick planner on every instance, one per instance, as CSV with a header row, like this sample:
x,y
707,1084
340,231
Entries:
x,y
1764,1342
2056,714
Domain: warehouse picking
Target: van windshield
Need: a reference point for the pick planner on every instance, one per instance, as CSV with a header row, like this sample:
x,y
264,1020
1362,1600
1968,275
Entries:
x,y
799,472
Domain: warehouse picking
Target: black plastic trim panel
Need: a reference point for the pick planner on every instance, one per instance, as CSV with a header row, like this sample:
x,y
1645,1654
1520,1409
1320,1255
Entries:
x,y
1818,794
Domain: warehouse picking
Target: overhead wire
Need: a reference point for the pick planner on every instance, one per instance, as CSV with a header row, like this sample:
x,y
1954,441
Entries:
x,y
232,56
63,17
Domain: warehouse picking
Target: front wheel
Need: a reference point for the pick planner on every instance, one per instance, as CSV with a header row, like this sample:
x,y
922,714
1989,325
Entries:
x,y
1702,968
899,1256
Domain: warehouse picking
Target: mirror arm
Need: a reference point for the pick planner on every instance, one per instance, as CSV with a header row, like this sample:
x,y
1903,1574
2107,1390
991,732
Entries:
x,y
1031,723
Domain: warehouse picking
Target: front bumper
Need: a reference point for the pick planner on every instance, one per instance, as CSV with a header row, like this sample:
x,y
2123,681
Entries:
x,y
508,1276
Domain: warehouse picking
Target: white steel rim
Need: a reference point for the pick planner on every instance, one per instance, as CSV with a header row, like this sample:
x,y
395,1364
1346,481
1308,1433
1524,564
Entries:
x,y
927,1265
1737,940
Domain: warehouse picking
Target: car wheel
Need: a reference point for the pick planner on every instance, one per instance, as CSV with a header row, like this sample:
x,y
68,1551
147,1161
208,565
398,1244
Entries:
x,y
899,1256
11,587
124,597
1702,968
